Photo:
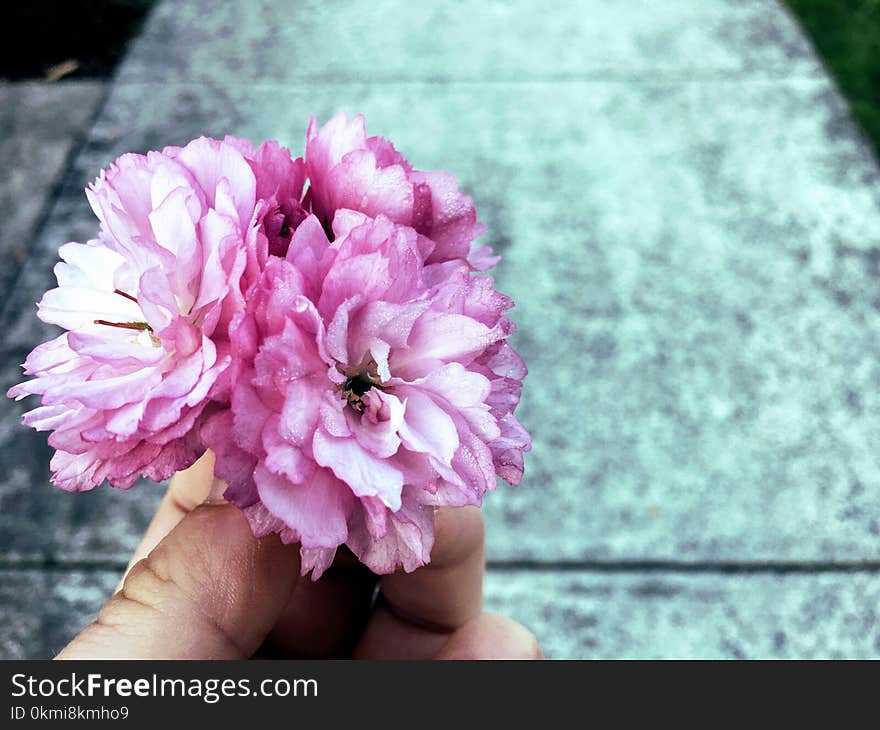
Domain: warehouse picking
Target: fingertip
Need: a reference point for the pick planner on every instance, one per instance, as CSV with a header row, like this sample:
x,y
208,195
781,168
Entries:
x,y
492,636
192,486
459,533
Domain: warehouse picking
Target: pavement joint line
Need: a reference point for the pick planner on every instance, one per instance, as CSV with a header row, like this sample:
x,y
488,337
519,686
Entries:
x,y
670,567
728,567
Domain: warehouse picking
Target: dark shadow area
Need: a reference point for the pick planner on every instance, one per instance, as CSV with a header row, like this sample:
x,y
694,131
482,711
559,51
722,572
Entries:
x,y
57,39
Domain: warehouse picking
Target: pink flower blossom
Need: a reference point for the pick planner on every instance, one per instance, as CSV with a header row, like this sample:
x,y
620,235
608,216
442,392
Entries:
x,y
370,386
338,352
147,306
348,170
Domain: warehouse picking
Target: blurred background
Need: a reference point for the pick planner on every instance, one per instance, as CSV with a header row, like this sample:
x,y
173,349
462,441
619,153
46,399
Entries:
x,y
687,197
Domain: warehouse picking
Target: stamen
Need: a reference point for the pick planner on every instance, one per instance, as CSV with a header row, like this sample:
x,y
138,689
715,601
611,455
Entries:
x,y
127,296
358,382
140,326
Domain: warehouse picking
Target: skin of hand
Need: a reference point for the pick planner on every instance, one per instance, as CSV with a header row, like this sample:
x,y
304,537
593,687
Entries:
x,y
200,586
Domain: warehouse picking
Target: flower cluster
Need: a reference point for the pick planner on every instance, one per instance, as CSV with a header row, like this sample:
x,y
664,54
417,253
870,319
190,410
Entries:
x,y
320,324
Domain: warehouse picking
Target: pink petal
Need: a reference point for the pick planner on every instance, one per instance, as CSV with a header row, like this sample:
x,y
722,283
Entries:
x,y
364,474
427,427
317,511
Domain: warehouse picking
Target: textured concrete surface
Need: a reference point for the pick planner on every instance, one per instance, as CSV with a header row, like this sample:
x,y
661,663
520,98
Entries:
x,y
39,126
388,41
691,227
693,616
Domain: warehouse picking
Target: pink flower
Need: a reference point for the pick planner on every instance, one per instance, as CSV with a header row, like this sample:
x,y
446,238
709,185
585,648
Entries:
x,y
147,306
348,170
370,386
338,352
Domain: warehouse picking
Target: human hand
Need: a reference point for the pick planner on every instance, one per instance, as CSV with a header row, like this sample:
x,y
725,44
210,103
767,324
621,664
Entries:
x,y
200,586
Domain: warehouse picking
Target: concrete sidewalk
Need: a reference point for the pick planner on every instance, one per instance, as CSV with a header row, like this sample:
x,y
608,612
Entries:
x,y
691,230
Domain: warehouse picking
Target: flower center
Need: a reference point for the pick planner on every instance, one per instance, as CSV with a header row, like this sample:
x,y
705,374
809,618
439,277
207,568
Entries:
x,y
280,226
358,382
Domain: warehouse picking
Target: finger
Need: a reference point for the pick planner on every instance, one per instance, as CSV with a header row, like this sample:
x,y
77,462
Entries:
x,y
324,619
489,636
389,637
187,490
448,591
486,636
209,590
419,610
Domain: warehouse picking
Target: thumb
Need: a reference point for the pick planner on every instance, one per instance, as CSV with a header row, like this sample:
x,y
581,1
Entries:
x,y
208,590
